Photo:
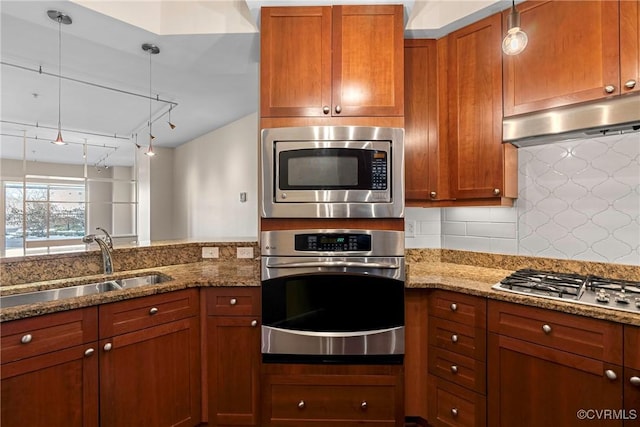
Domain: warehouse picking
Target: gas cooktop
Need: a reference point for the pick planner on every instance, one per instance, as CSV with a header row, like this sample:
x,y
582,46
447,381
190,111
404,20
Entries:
x,y
592,290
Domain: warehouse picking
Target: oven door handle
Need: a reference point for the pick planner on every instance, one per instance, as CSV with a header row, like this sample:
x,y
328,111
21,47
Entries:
x,y
334,264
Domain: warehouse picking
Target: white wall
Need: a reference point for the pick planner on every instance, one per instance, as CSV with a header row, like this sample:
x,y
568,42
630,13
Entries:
x,y
210,172
161,222
576,200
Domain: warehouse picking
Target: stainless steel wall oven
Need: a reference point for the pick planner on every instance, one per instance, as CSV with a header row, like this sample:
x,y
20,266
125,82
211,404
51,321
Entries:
x,y
333,296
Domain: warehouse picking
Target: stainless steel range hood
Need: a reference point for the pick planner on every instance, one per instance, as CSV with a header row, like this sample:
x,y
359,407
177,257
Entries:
x,y
616,115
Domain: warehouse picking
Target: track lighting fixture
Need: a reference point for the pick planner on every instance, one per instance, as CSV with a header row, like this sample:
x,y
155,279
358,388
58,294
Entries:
x,y
516,40
60,18
171,125
151,49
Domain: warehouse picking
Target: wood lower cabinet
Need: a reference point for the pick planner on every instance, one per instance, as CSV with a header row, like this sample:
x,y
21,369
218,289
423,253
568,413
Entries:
x,y
332,395
457,360
233,356
331,61
150,370
545,367
482,168
49,371
631,374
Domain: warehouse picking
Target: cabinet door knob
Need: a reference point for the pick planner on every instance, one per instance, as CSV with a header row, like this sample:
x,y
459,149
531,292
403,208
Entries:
x,y
338,109
454,369
610,374
364,405
454,412
153,310
107,347
301,404
26,339
630,84
454,338
454,306
546,329
496,191
233,301
609,88
635,381
88,352
433,194
326,109
254,323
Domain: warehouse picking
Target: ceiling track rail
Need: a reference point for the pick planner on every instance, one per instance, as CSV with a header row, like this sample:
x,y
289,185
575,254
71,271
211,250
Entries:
x,y
126,92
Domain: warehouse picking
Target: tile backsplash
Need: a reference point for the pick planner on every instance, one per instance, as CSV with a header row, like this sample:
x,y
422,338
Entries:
x,y
577,200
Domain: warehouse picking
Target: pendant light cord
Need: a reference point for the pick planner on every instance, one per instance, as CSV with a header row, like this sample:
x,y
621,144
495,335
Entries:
x,y
59,71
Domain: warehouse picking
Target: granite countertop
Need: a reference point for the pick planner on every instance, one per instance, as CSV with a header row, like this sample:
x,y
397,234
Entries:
x,y
478,281
462,278
198,274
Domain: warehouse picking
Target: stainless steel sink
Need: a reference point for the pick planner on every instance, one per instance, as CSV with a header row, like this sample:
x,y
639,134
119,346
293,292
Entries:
x,y
81,290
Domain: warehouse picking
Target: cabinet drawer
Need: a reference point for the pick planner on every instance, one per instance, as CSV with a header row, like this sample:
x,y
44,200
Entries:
x,y
597,339
38,335
296,400
461,370
458,338
233,301
457,307
632,347
451,405
139,313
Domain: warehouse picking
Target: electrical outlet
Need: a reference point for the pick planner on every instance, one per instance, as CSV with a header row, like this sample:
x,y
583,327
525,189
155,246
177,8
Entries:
x,y
409,228
244,252
210,252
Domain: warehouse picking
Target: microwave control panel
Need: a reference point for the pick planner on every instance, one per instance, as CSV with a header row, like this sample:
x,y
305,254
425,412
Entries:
x,y
332,242
379,171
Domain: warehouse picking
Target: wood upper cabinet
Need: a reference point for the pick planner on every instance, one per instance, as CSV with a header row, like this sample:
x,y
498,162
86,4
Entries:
x,y
331,61
577,51
233,356
49,371
481,166
425,115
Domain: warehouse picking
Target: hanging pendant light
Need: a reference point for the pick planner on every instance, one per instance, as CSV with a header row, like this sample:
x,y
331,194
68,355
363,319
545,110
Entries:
x,y
151,49
60,18
516,40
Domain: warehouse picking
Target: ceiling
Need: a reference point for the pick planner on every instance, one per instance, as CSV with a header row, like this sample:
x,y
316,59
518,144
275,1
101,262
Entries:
x,y
207,69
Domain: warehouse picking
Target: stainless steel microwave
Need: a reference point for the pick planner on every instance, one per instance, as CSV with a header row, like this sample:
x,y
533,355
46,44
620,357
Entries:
x,y
332,172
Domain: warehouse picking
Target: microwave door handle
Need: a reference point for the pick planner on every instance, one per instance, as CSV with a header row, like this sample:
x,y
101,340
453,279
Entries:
x,y
334,264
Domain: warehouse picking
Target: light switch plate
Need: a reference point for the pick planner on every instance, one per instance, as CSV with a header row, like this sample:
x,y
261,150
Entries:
x,y
208,252
409,228
244,252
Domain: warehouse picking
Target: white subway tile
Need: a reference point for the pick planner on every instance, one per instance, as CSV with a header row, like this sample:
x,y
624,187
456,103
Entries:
x,y
429,228
454,228
505,230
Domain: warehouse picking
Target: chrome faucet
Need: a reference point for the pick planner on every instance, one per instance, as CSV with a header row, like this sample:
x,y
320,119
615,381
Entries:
x,y
106,245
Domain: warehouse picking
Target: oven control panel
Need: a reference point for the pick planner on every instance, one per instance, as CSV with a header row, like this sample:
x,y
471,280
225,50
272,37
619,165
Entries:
x,y
319,242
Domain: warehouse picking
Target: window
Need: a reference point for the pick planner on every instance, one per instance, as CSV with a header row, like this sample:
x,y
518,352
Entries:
x,y
55,212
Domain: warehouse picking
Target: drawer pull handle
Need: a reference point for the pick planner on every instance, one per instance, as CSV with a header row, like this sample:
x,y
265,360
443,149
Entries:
x,y
88,352
233,301
301,404
454,412
363,405
454,306
454,369
254,323
546,329
610,374
26,339
454,338
108,346
635,381
154,310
